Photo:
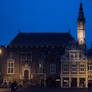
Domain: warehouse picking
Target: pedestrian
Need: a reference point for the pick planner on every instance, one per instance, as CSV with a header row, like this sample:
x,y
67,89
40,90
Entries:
x,y
13,86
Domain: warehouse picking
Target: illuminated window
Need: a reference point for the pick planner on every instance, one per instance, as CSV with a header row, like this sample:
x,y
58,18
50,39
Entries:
x,y
90,76
10,66
66,82
82,68
89,65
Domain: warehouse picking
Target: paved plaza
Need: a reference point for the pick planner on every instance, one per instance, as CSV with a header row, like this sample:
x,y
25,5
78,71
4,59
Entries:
x,y
48,90
54,90
4,90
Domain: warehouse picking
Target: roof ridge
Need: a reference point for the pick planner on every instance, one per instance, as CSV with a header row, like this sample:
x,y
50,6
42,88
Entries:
x,y
44,32
37,38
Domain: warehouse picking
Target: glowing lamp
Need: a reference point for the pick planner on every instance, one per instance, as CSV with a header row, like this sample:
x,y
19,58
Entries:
x,y
0,51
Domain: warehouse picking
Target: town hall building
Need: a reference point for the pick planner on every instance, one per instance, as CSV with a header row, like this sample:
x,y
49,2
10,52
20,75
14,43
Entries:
x,y
48,59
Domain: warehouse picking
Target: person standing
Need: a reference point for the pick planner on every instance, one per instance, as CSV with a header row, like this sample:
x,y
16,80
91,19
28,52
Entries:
x,y
13,86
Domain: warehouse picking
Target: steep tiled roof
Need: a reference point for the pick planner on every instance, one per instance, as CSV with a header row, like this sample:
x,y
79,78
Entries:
x,y
30,39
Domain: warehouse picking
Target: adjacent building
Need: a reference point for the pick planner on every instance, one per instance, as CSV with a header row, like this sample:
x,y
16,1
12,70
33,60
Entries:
x,y
74,68
74,63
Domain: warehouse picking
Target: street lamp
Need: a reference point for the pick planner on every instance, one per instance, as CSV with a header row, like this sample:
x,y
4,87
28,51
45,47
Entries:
x,y
0,51
1,79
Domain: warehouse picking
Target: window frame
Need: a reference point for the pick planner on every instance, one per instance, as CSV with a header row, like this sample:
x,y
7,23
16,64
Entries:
x,y
89,66
82,68
10,61
53,68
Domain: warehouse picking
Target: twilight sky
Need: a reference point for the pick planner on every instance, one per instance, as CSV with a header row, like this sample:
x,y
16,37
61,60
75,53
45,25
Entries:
x,y
42,16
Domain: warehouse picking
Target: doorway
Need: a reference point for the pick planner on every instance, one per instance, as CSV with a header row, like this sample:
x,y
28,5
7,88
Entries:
x,y
74,82
26,74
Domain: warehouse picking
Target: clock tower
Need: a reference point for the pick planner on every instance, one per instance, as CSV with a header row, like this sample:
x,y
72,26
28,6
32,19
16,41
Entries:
x,y
81,27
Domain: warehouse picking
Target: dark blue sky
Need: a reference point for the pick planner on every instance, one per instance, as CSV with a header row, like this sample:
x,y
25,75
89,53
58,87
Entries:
x,y
42,16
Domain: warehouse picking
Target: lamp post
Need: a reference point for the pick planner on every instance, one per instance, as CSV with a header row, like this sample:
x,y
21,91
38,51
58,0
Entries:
x,y
0,51
0,66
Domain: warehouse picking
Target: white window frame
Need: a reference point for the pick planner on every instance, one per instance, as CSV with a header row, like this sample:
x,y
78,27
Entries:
x,y
82,68
89,66
13,62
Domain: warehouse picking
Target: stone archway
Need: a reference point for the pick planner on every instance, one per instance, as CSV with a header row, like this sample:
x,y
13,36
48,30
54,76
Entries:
x,y
26,74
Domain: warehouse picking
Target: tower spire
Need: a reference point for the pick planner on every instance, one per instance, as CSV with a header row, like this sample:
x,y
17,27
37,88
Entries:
x,y
81,13
81,26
